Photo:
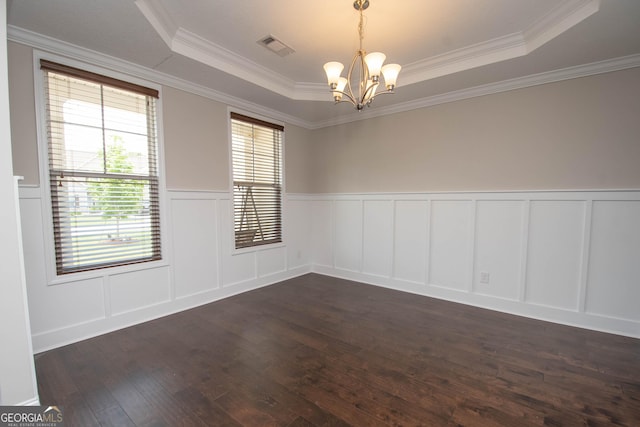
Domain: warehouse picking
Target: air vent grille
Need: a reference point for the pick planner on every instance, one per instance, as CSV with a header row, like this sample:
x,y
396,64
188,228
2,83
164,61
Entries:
x,y
276,46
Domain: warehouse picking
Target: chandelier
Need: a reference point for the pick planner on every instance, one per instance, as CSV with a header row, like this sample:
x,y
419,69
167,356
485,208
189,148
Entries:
x,y
366,68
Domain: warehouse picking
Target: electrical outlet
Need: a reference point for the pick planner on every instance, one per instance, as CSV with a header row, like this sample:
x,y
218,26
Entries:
x,y
485,277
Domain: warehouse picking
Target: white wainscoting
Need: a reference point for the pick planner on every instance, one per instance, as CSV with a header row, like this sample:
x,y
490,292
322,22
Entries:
x,y
199,266
571,257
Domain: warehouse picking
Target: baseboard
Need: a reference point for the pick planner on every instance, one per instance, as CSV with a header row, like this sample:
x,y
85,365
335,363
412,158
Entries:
x,y
623,327
68,335
35,401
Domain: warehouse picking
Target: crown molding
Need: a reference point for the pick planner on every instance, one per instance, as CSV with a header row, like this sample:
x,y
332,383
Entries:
x,y
485,53
38,41
557,21
159,19
611,65
58,47
202,50
193,46
179,40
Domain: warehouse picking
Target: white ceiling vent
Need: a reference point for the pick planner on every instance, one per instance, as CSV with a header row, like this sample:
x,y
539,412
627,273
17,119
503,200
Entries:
x,y
275,45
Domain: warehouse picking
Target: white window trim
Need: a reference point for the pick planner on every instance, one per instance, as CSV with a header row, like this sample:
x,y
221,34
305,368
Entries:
x,y
260,248
45,190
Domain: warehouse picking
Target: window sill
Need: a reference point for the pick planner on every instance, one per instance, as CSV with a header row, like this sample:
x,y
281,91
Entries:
x,y
104,272
260,248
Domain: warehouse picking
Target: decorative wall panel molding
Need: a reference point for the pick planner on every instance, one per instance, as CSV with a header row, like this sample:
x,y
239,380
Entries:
x,y
200,267
565,256
569,257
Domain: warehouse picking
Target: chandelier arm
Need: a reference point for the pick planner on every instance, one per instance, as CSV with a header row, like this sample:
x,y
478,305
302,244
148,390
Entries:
x,y
350,99
364,77
359,54
385,92
369,89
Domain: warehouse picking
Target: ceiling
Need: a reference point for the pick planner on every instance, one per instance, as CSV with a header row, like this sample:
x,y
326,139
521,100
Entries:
x,y
449,49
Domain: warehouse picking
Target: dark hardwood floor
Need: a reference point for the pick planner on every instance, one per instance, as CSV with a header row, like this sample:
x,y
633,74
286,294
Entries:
x,y
320,351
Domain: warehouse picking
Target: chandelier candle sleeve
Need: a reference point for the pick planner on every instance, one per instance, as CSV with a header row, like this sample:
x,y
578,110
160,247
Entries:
x,y
363,77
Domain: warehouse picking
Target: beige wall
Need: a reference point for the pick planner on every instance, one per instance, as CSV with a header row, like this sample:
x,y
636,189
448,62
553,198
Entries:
x,y
577,134
297,159
196,144
23,113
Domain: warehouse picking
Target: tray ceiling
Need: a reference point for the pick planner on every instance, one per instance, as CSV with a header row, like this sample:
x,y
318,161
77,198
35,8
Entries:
x,y
444,46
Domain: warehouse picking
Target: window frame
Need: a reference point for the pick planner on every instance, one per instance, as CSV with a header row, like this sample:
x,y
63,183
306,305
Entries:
x,y
257,119
53,277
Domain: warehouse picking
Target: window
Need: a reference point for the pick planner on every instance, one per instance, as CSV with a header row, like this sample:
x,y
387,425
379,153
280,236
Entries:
x,y
256,151
103,170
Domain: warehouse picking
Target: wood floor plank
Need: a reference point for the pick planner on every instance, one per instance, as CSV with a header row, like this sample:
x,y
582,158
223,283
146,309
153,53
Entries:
x,y
301,422
53,378
77,412
209,412
113,416
136,406
318,351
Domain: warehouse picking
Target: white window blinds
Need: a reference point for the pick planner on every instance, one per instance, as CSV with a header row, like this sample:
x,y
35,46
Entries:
x,y
102,169
257,181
